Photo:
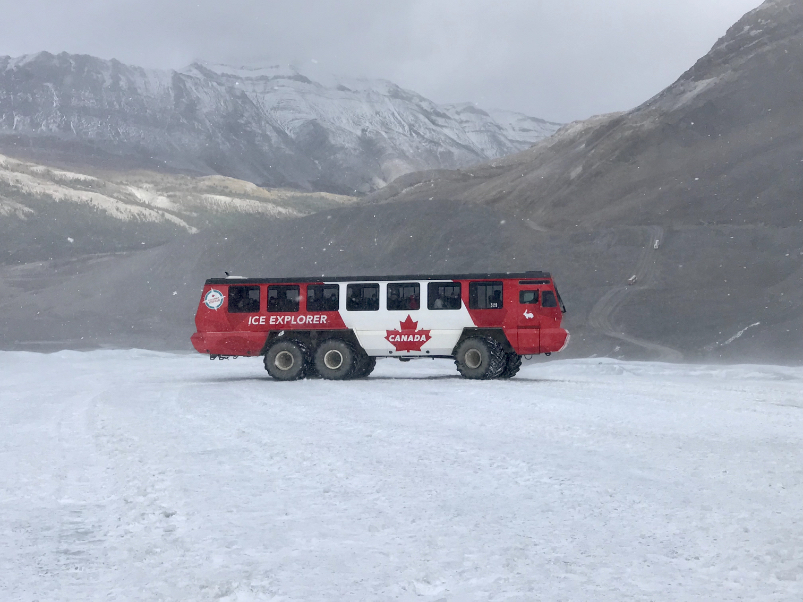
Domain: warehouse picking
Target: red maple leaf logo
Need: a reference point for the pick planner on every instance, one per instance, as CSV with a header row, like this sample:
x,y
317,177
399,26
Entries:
x,y
408,338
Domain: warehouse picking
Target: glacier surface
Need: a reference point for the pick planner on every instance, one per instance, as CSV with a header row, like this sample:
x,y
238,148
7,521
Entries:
x,y
134,475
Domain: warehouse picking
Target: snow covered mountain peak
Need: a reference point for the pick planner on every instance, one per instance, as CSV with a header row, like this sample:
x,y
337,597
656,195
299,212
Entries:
x,y
312,74
275,125
244,73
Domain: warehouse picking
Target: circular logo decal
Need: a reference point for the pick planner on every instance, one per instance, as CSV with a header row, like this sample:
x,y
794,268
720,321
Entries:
x,y
213,299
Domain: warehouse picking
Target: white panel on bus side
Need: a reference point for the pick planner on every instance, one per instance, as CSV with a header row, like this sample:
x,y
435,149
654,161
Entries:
x,y
439,342
405,332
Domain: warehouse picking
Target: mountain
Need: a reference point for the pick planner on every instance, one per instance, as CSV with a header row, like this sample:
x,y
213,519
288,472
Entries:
x,y
500,132
274,126
696,194
722,145
706,178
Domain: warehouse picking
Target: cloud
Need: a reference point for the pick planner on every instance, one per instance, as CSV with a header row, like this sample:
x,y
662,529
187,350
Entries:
x,y
561,60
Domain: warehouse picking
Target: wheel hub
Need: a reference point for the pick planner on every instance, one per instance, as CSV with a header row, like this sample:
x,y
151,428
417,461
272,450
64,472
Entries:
x,y
473,359
333,359
284,360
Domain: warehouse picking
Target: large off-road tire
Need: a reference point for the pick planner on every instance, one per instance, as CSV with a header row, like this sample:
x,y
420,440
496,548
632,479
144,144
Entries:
x,y
287,360
365,365
335,359
512,365
480,358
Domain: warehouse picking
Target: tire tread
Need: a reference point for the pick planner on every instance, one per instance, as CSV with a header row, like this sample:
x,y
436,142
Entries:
x,y
512,365
302,372
497,359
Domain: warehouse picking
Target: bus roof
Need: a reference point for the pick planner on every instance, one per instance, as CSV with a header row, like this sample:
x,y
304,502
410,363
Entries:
x,y
395,278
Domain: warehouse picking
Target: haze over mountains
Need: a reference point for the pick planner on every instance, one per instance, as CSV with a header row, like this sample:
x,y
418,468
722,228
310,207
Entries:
x,y
276,126
722,145
698,193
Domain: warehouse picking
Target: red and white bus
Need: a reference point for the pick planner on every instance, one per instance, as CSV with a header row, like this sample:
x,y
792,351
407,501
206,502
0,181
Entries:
x,y
336,328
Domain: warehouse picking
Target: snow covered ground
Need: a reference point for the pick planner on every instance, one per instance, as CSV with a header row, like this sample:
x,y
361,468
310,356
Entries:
x,y
133,475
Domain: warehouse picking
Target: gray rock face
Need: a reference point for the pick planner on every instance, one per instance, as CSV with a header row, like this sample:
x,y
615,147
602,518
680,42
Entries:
x,y
273,126
722,145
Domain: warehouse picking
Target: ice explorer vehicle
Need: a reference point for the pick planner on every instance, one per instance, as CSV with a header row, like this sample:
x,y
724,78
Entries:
x,y
336,328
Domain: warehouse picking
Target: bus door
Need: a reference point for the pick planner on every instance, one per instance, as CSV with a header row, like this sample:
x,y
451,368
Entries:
x,y
528,319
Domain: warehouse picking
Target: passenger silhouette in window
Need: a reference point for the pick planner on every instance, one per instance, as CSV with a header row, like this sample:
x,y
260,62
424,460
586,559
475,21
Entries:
x,y
283,298
362,297
404,296
323,297
243,299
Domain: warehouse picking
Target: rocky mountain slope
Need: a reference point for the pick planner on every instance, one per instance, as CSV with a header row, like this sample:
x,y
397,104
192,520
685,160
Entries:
x,y
722,145
706,178
691,302
47,212
274,126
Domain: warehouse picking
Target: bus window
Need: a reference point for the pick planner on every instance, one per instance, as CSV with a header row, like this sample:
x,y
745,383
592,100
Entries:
x,y
443,295
243,299
283,298
528,297
485,295
404,296
362,297
560,301
323,297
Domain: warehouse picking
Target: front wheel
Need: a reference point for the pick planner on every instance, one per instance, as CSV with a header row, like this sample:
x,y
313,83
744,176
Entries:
x,y
286,360
335,359
480,358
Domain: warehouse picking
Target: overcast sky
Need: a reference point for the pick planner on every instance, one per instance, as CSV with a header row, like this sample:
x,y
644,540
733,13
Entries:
x,y
557,59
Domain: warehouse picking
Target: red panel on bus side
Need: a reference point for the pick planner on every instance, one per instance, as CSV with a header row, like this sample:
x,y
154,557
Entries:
x,y
553,339
490,318
222,333
208,319
505,318
229,343
529,341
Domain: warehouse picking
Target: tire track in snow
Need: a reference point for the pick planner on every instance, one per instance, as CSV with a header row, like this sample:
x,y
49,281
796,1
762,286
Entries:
x,y
602,313
74,552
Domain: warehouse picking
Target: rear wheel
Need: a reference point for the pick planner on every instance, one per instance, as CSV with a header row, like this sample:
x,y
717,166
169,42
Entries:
x,y
335,359
365,365
480,358
512,365
286,360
